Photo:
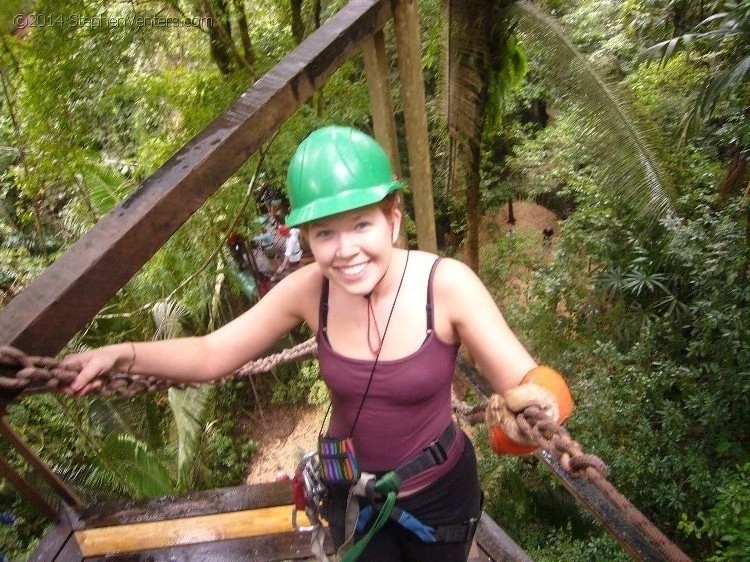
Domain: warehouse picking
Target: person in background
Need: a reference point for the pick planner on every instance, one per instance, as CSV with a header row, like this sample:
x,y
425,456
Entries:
x,y
292,250
388,323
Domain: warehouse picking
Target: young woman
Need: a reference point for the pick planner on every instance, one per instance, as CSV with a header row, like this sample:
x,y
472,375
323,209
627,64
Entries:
x,y
388,323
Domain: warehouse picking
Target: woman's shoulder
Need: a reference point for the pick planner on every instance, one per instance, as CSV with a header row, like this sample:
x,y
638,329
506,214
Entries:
x,y
448,271
455,281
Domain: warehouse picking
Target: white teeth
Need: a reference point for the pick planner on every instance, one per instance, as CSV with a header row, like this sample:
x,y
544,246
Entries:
x,y
353,269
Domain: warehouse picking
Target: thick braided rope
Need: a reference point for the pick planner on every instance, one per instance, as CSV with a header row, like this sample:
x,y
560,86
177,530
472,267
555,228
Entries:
x,y
556,440
45,374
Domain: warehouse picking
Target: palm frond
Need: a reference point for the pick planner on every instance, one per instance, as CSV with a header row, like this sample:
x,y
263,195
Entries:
x,y
142,471
106,187
97,481
167,316
190,408
136,416
623,146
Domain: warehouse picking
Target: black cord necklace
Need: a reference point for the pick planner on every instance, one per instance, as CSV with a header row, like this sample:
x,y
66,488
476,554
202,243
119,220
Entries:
x,y
380,347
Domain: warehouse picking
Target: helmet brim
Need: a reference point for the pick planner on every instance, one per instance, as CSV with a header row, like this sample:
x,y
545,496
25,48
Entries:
x,y
341,203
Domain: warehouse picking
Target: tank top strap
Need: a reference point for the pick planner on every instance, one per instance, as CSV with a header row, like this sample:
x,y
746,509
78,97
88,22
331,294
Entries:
x,y
430,312
323,308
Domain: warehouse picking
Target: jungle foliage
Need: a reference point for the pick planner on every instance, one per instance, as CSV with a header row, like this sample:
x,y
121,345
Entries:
x,y
645,311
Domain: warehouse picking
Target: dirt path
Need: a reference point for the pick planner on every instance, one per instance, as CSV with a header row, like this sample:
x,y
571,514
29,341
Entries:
x,y
283,439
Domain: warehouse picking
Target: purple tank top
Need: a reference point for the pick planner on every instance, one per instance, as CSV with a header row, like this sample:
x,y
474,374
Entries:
x,y
408,405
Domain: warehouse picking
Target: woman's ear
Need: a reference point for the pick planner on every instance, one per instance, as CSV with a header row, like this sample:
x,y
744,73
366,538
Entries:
x,y
396,218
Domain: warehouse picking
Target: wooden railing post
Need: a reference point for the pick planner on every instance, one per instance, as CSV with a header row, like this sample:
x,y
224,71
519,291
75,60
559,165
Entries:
x,y
415,120
381,105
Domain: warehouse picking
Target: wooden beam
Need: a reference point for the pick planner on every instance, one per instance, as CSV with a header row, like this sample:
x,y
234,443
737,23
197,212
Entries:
x,y
58,303
415,120
58,543
205,502
189,530
27,491
379,91
496,543
381,105
62,489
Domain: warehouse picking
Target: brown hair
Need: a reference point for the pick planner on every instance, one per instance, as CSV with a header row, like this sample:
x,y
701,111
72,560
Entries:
x,y
386,205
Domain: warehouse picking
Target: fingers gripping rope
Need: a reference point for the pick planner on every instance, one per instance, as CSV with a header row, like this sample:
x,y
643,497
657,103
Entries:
x,y
45,374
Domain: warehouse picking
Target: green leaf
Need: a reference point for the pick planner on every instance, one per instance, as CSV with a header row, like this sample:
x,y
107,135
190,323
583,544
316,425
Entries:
x,y
142,470
190,408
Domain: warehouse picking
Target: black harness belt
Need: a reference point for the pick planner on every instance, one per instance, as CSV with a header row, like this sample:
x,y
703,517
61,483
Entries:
x,y
434,454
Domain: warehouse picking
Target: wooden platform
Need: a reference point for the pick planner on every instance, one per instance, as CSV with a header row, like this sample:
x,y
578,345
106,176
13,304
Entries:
x,y
242,523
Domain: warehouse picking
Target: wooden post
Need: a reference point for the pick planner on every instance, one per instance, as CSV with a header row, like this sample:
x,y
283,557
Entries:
x,y
37,464
381,105
27,491
415,120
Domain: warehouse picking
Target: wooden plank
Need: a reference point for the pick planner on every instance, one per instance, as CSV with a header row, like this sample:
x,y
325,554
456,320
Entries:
x,y
70,552
52,542
415,120
58,543
58,303
222,500
593,500
496,543
285,546
190,530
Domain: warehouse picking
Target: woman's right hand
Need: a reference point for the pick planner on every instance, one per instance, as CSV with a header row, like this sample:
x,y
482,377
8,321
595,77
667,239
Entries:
x,y
93,363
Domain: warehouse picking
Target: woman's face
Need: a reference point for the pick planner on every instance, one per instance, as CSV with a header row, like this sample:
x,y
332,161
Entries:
x,y
354,249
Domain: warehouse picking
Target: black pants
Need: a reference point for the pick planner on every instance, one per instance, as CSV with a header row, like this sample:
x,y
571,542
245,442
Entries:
x,y
453,500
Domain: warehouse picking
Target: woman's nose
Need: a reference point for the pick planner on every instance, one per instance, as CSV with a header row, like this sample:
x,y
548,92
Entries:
x,y
348,246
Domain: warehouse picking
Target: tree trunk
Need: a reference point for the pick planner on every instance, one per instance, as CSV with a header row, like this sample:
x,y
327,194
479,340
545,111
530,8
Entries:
x,y
247,47
298,26
473,216
219,33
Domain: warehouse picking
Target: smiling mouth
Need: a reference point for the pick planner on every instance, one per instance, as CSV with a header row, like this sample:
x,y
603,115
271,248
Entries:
x,y
352,270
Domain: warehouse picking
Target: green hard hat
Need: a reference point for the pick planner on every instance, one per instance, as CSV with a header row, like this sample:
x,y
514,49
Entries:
x,y
337,169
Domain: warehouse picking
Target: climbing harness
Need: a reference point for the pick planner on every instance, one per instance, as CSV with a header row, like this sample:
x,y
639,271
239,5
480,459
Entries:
x,y
376,493
309,492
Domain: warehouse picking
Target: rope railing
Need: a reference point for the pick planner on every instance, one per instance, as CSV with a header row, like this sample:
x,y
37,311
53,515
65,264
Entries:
x,y
45,374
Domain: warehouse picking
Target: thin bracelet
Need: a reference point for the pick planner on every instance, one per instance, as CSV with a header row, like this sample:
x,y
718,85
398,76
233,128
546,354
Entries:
x,y
132,361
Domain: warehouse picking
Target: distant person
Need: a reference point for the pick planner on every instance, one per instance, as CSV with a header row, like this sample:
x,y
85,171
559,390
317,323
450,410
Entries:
x,y
388,324
292,249
547,236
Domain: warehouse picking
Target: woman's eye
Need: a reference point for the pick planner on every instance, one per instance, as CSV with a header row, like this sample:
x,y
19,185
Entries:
x,y
361,225
322,234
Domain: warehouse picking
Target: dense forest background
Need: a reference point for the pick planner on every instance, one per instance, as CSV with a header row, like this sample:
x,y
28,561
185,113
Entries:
x,y
628,119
